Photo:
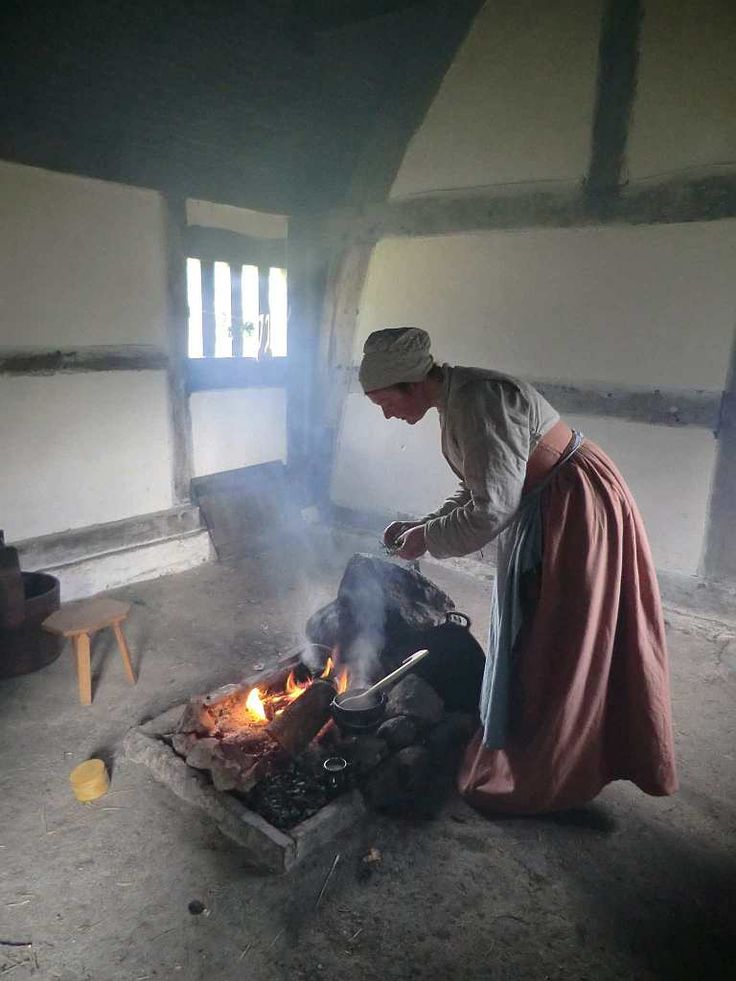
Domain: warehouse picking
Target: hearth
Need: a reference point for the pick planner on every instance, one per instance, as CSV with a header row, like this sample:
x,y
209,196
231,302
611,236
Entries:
x,y
267,761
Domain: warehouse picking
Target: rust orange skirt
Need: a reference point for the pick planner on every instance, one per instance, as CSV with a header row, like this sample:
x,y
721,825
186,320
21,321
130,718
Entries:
x,y
590,690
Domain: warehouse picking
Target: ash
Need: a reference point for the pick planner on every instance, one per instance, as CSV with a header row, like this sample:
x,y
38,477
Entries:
x,y
294,792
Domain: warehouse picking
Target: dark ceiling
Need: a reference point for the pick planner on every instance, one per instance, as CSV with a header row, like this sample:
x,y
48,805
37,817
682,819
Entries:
x,y
265,104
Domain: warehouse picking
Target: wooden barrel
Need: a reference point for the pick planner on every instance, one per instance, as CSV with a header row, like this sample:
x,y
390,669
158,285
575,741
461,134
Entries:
x,y
28,647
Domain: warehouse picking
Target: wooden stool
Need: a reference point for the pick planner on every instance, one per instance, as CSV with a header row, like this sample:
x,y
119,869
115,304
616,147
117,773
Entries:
x,y
79,621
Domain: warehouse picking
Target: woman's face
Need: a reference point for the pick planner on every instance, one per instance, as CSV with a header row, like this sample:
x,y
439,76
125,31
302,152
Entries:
x,y
409,404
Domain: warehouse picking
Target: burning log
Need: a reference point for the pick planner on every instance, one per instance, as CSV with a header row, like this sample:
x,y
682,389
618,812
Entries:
x,y
298,724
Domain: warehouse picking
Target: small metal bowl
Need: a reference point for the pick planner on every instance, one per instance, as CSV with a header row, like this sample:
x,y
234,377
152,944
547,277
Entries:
x,y
361,719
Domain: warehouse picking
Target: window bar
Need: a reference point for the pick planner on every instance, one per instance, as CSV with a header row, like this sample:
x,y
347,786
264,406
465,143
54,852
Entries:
x,y
208,309
264,314
236,309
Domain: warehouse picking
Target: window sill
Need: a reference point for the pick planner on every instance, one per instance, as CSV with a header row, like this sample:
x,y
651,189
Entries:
x,y
204,374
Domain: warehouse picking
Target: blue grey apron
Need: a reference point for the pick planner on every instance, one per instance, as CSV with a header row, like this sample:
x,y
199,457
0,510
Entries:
x,y
519,552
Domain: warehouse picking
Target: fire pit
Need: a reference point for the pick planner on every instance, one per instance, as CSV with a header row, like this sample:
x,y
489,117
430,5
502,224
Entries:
x,y
266,846
265,759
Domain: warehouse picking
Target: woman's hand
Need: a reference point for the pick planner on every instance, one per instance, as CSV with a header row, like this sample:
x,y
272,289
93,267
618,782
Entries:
x,y
412,543
394,532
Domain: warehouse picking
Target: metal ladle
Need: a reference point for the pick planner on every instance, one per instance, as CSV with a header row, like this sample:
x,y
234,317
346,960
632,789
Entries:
x,y
366,700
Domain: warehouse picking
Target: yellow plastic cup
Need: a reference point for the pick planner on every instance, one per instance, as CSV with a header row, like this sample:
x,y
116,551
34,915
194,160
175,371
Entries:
x,y
89,780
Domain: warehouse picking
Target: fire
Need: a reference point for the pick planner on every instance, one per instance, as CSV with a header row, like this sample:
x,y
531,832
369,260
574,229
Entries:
x,y
340,680
262,706
254,706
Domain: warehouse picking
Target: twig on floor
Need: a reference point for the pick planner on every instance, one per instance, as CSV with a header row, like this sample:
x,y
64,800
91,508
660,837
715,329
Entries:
x,y
22,902
275,939
163,934
244,952
15,943
43,816
329,876
12,967
355,935
66,827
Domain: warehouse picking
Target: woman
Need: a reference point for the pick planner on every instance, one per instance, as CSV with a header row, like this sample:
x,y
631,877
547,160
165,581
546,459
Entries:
x,y
576,687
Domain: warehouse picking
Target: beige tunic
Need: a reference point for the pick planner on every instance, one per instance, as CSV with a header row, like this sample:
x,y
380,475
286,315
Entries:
x,y
490,425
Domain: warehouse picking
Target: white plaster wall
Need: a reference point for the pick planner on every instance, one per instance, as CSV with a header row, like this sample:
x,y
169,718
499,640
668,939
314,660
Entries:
x,y
648,306
516,104
233,428
669,471
82,449
82,262
389,468
685,110
637,305
386,466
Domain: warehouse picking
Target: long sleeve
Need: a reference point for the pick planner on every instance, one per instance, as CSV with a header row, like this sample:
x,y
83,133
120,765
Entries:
x,y
488,425
454,501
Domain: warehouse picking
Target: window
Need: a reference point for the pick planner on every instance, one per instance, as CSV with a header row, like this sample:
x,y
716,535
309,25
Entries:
x,y
236,310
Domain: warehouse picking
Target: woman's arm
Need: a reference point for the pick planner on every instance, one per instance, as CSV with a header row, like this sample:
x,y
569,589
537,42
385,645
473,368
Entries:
x,y
491,426
456,500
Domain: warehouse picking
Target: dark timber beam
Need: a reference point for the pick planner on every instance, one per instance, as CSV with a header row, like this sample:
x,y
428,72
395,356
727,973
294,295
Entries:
x,y
124,357
675,201
207,374
653,406
177,328
719,560
308,262
208,308
618,62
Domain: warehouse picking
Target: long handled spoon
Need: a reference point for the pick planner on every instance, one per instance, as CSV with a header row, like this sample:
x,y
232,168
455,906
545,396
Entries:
x,y
366,699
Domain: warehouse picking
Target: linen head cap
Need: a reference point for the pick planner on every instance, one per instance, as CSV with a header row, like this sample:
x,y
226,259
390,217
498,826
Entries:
x,y
393,356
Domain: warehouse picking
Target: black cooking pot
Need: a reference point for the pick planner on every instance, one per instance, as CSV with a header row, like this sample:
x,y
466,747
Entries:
x,y
360,719
454,666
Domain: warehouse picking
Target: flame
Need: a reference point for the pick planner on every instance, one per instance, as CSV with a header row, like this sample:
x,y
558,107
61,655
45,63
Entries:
x,y
261,706
342,681
294,688
255,707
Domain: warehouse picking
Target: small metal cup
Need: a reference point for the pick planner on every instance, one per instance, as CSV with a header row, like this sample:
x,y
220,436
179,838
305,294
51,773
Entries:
x,y
336,769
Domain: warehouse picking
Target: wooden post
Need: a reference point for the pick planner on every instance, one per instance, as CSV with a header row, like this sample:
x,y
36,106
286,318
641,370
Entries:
x,y
308,260
236,309
178,348
618,63
208,308
264,313
719,560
